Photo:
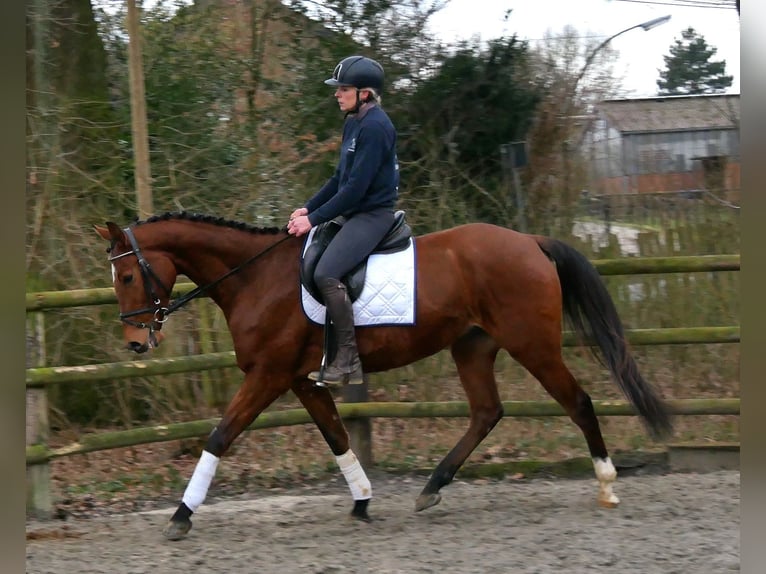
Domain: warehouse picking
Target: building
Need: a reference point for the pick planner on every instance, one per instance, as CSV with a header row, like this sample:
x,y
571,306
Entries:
x,y
665,143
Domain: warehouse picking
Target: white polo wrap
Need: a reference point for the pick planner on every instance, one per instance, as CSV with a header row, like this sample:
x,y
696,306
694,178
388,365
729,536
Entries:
x,y
357,480
200,481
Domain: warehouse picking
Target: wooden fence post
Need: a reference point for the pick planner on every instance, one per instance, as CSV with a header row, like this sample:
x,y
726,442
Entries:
x,y
359,428
39,503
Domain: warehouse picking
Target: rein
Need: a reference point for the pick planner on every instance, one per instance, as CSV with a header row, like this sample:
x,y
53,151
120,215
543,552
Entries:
x,y
161,314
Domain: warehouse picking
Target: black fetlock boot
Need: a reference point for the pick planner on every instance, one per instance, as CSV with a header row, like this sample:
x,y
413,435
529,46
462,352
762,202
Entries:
x,y
346,368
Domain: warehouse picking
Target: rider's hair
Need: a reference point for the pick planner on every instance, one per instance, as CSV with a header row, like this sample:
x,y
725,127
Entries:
x,y
373,96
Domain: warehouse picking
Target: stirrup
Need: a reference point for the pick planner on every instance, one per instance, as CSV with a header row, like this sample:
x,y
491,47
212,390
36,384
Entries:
x,y
356,377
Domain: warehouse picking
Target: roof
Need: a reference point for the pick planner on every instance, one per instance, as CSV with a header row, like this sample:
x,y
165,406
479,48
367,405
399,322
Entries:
x,y
672,113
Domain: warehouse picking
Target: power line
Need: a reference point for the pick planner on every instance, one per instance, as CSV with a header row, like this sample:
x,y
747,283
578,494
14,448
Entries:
x,y
691,3
553,38
714,4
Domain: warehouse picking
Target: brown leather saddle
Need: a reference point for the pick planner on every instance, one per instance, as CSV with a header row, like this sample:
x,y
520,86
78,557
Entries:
x,y
397,239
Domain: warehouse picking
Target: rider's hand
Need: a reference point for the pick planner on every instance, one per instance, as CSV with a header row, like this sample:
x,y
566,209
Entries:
x,y
298,212
298,225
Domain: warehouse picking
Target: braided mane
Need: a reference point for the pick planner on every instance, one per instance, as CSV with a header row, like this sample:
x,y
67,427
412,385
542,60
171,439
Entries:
x,y
211,219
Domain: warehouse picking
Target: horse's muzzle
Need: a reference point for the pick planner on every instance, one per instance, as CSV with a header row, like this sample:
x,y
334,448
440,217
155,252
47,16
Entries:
x,y
152,342
137,347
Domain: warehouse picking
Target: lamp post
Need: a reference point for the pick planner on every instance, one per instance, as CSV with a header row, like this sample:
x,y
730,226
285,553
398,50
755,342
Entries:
x,y
645,25
570,101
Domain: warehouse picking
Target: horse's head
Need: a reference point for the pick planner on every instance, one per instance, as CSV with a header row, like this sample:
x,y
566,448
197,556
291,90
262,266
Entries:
x,y
143,280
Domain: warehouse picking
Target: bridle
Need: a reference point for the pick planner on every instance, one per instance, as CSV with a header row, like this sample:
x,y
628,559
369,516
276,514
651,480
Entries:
x,y
150,279
160,314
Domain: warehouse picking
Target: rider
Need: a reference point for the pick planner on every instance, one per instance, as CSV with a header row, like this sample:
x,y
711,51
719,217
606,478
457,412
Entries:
x,y
364,190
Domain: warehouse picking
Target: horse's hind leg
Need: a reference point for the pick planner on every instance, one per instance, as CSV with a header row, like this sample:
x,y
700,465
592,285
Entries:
x,y
321,406
474,355
547,365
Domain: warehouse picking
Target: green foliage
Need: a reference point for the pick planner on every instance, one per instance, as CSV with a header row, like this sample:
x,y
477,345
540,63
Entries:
x,y
392,32
77,73
391,29
73,138
458,119
475,103
191,74
690,70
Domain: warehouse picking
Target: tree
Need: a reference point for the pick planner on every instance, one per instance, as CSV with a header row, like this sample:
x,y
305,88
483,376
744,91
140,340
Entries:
x,y
689,69
453,129
71,135
569,76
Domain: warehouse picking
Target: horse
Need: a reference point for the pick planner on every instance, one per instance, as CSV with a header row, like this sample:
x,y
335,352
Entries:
x,y
480,288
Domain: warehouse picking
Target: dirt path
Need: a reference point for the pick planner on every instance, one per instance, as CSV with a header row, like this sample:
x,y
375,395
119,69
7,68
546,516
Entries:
x,y
666,523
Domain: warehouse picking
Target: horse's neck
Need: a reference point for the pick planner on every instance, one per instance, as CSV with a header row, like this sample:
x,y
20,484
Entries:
x,y
206,253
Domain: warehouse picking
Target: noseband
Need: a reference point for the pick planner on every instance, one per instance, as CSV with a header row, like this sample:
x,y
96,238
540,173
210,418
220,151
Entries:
x,y
150,279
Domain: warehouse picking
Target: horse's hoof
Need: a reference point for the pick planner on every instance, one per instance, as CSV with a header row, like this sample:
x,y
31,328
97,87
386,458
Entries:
x,y
427,501
359,512
612,502
176,530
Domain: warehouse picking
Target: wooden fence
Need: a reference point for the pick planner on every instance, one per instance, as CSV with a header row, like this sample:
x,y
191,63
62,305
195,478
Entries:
x,y
355,409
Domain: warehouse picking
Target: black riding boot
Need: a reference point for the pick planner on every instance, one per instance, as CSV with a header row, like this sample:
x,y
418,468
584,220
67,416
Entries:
x,y
346,367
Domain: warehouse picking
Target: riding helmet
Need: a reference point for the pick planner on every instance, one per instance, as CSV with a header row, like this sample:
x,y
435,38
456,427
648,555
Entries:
x,y
359,72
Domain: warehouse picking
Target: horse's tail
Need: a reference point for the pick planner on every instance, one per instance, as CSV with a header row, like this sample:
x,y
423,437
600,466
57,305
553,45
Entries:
x,y
590,311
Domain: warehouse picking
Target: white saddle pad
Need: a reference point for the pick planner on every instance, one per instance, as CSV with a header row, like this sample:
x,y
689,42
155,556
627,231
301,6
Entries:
x,y
388,296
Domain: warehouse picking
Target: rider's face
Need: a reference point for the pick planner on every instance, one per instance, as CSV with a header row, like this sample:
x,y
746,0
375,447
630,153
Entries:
x,y
346,96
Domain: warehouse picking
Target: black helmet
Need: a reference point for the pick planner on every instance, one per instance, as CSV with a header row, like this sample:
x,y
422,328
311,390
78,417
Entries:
x,y
359,72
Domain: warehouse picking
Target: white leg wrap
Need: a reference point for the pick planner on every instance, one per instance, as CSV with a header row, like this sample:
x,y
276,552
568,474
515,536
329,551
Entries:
x,y
200,481
606,475
357,480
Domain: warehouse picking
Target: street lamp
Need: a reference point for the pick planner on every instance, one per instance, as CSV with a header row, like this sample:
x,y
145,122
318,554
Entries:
x,y
570,101
645,25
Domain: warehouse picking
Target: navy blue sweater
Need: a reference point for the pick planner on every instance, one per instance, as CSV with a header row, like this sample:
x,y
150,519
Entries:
x,y
367,175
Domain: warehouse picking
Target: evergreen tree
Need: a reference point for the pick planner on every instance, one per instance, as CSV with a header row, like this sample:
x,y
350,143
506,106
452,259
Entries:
x,y
456,122
689,69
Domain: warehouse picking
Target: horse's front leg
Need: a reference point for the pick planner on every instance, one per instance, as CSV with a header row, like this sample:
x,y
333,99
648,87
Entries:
x,y
321,406
253,397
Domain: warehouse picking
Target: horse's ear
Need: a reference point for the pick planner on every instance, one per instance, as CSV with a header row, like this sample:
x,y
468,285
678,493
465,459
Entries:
x,y
102,231
112,232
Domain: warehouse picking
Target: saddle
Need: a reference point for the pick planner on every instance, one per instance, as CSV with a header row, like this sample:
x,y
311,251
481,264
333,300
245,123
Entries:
x,y
397,239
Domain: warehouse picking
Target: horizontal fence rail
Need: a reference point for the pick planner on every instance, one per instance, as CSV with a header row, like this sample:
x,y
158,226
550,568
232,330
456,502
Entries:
x,y
356,411
447,409
625,266
41,376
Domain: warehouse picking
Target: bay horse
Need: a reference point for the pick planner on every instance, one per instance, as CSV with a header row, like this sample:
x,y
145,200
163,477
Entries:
x,y
480,288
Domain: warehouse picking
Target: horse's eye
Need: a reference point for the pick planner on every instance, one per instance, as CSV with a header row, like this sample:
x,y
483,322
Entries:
x,y
128,279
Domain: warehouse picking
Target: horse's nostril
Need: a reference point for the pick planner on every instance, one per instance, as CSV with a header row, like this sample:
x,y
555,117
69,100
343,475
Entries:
x,y
137,347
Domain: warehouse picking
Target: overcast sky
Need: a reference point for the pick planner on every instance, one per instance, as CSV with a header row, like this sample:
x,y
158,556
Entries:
x,y
640,52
